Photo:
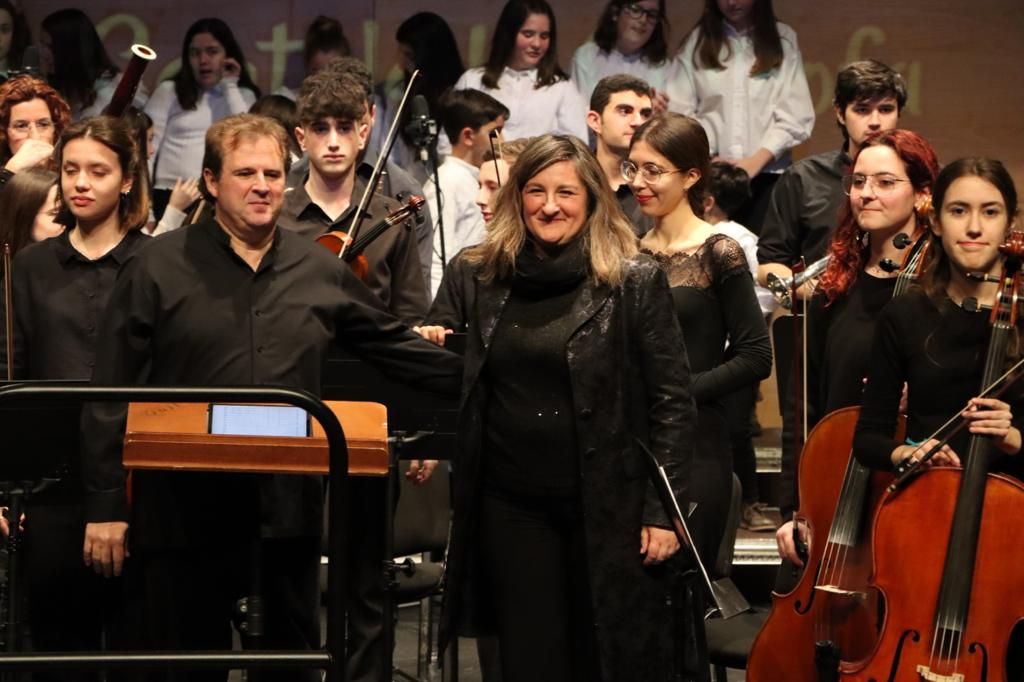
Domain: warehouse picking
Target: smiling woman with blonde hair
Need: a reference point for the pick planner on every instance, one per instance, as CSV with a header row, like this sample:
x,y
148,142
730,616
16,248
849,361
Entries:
x,y
573,356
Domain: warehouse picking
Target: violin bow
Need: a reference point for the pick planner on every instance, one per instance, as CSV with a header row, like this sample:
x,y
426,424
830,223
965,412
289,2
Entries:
x,y
8,312
494,140
378,167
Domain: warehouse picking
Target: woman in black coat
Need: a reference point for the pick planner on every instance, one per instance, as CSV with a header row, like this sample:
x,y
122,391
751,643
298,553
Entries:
x,y
573,355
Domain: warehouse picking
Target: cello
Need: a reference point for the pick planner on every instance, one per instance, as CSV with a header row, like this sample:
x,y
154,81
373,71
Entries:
x,y
953,624
830,615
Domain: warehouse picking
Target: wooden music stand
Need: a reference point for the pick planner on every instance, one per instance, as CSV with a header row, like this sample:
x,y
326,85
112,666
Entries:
x,y
175,436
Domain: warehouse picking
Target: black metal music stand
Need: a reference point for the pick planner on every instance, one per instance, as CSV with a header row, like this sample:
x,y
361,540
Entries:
x,y
332,658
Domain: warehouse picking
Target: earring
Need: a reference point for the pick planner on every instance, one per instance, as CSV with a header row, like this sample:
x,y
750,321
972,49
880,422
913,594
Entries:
x,y
125,196
863,239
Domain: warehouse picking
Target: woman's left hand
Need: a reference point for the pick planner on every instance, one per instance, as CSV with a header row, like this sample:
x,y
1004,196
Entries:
x,y
992,417
657,544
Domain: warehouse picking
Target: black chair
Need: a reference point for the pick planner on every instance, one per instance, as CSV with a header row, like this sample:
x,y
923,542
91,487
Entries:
x,y
422,525
729,641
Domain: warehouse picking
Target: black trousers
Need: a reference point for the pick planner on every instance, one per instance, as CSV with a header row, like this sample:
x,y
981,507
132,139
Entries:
x,y
738,408
186,599
67,602
365,589
534,560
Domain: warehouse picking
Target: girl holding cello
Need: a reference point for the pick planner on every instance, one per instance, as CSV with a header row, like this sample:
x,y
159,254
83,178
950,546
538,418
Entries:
x,y
948,586
890,194
60,289
890,197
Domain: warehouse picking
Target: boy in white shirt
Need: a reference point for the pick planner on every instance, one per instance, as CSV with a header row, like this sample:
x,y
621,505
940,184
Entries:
x,y
468,117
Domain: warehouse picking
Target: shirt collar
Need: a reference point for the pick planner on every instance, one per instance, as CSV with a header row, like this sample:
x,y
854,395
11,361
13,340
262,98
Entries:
x,y
527,74
464,165
220,236
119,254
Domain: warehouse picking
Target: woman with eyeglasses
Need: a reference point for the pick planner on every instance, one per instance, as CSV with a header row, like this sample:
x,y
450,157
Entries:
x,y
741,75
668,169
522,72
32,117
631,38
889,192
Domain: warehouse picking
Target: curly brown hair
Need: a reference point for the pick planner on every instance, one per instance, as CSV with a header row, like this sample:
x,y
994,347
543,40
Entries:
x,y
24,89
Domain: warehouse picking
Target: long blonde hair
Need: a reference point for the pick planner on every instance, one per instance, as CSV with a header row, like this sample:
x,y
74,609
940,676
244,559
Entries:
x,y
608,237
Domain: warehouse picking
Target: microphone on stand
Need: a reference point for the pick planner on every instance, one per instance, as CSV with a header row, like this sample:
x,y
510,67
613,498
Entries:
x,y
421,128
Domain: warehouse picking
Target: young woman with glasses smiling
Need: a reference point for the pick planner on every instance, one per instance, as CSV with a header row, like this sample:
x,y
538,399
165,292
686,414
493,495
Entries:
x,y
668,168
631,38
889,194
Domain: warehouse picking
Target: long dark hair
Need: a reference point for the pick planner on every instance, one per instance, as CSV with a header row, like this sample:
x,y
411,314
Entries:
x,y
185,85
20,202
79,57
117,135
683,141
21,36
848,254
935,278
503,43
436,54
710,30
654,51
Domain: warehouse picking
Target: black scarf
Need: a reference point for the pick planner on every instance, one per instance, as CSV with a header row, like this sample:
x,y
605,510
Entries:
x,y
546,271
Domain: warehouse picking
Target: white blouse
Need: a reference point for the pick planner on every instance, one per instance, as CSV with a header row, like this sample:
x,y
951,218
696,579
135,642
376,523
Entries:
x,y
463,221
180,135
590,64
743,113
556,108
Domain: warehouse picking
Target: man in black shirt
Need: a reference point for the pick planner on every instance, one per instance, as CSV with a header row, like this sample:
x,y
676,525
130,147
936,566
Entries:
x,y
229,301
805,203
618,106
332,132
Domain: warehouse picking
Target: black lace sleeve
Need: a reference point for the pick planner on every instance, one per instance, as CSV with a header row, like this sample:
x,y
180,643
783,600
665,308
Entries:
x,y
749,357
725,258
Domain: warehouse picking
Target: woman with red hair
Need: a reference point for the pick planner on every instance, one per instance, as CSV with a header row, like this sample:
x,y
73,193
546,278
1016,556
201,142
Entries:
x,y
890,195
32,117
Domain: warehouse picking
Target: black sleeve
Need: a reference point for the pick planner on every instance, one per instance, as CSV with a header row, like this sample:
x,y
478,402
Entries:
x,y
750,355
817,322
123,352
779,241
449,307
409,297
874,439
666,372
373,334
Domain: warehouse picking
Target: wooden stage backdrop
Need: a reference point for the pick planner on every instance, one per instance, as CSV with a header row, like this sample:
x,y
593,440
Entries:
x,y
963,59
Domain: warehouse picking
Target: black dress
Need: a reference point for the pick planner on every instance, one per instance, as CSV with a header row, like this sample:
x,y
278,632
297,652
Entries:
x,y
839,337
715,302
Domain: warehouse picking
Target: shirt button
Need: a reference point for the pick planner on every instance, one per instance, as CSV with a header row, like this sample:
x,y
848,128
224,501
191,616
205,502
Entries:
x,y
589,453
586,413
257,313
259,349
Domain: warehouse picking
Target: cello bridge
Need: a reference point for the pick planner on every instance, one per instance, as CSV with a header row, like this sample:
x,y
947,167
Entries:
x,y
835,589
926,674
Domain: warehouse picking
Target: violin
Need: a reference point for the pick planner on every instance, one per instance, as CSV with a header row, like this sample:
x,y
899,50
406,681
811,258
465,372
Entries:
x,y
831,615
352,250
953,586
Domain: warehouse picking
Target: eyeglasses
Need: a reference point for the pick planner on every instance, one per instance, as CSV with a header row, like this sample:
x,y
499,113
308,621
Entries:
x,y
635,11
883,183
649,172
41,126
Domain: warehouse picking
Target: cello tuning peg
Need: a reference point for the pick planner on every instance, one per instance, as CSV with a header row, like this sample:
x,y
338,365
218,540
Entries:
x,y
901,241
